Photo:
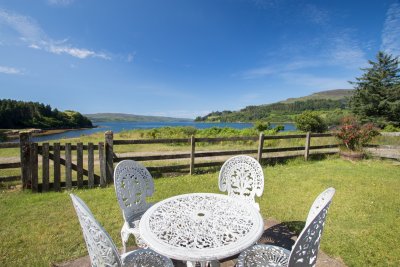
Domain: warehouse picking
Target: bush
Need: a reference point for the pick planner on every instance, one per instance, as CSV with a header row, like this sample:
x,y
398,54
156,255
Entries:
x,y
354,135
262,126
391,128
310,121
279,128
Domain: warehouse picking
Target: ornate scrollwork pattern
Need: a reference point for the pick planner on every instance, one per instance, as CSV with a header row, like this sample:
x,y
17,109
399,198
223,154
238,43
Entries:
x,y
264,255
133,183
201,221
305,250
146,258
101,248
242,177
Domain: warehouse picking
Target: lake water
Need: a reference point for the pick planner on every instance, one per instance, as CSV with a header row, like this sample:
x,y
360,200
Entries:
x,y
120,126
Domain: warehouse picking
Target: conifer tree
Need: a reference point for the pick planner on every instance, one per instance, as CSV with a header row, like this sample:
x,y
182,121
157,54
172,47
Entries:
x,y
377,95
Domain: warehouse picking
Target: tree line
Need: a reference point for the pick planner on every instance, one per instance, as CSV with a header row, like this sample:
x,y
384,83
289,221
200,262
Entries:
x,y
19,114
278,111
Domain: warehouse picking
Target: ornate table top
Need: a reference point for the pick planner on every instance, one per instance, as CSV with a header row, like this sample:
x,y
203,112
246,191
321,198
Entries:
x,y
201,227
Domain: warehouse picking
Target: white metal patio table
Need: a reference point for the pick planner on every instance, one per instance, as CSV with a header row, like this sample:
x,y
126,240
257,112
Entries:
x,y
201,227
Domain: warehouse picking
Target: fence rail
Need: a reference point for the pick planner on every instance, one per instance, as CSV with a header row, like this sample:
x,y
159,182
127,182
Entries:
x,y
192,155
46,166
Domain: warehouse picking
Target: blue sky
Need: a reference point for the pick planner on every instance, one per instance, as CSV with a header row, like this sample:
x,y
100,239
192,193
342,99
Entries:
x,y
185,58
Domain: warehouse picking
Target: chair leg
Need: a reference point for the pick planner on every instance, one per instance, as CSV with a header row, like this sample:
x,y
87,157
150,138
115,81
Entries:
x,y
140,242
124,238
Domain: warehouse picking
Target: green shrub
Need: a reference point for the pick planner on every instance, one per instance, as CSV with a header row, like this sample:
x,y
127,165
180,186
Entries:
x,y
262,126
391,128
279,128
310,121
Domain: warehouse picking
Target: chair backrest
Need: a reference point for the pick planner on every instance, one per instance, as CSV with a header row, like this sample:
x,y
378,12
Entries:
x,y
304,252
101,248
243,177
133,183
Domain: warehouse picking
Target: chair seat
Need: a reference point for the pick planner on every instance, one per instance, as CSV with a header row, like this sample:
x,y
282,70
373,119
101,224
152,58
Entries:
x,y
145,258
263,256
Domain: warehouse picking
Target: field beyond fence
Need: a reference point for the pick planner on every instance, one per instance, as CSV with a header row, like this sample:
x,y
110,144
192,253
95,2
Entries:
x,y
53,166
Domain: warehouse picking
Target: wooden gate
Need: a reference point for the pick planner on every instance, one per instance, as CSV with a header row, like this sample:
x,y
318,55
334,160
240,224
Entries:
x,y
36,159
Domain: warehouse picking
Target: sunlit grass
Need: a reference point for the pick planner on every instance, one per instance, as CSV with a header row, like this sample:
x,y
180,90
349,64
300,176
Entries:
x,y
362,224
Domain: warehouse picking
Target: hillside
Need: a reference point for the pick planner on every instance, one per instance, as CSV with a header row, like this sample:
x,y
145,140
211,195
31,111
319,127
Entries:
x,y
336,94
20,114
100,117
330,103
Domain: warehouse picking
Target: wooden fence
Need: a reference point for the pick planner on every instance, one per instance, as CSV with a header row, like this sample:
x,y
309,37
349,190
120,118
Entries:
x,y
36,158
192,155
31,153
10,165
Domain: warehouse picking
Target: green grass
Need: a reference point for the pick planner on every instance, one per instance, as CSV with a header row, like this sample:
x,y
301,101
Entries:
x,y
362,226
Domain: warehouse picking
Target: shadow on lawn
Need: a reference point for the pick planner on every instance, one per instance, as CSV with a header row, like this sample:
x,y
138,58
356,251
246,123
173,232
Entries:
x,y
282,234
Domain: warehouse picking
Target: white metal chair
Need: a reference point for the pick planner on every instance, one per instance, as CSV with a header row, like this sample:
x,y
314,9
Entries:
x,y
133,183
101,248
243,177
304,251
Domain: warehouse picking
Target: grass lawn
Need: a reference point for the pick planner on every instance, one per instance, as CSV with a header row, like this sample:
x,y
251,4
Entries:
x,y
362,225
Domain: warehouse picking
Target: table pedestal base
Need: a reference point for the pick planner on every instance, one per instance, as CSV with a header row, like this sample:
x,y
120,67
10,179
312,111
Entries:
x,y
202,264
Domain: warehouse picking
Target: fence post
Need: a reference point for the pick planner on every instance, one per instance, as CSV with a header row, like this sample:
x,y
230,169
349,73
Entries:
x,y
57,169
307,146
192,152
34,167
109,136
68,166
90,165
103,169
45,167
25,152
79,164
260,147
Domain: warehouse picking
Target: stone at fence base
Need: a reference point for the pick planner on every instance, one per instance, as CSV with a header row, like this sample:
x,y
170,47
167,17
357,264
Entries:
x,y
352,155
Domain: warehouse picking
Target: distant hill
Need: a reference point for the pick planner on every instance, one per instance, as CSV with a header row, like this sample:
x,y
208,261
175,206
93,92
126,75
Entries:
x,y
101,117
20,114
332,101
336,94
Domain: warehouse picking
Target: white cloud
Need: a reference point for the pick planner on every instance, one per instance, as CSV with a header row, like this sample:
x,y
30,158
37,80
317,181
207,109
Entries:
x,y
278,68
31,33
26,27
60,2
34,46
315,82
391,31
316,15
75,52
265,4
131,57
9,70
346,52
339,50
257,72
